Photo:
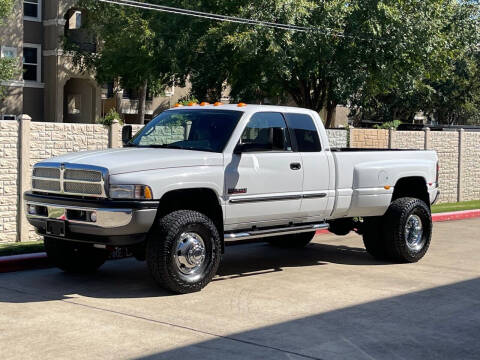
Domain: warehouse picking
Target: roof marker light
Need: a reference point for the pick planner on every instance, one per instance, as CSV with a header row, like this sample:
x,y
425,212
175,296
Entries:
x,y
241,104
218,103
192,103
177,105
204,103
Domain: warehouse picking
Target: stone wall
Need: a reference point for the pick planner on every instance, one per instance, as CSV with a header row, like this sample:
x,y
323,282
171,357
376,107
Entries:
x,y
8,180
408,140
23,145
369,138
445,143
337,138
470,166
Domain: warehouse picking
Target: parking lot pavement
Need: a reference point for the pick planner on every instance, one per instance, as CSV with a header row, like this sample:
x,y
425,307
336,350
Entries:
x,y
327,301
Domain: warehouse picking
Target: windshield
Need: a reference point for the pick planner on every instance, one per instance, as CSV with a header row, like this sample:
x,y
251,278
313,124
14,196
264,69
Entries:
x,y
204,130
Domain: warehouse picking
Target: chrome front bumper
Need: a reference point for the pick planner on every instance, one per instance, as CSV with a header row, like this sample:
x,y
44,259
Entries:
x,y
116,223
103,218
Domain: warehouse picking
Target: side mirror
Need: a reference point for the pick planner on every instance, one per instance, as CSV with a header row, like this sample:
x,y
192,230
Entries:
x,y
126,134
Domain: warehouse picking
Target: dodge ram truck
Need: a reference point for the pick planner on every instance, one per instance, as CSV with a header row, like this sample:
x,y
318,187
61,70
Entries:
x,y
197,177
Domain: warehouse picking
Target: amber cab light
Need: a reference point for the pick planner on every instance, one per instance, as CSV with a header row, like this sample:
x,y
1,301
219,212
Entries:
x,y
218,103
204,103
191,103
241,105
177,105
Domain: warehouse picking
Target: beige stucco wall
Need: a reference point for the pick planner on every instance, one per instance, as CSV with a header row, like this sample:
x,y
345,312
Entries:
x,y
8,180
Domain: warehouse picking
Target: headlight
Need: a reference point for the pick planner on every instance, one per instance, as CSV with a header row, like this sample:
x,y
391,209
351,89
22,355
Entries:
x,y
130,192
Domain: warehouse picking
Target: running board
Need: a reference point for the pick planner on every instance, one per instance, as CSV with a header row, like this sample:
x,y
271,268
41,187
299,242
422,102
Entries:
x,y
256,234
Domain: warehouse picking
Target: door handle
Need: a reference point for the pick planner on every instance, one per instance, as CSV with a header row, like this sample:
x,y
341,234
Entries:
x,y
295,166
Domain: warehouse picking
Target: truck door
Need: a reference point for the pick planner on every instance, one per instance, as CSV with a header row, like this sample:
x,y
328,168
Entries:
x,y
263,177
317,182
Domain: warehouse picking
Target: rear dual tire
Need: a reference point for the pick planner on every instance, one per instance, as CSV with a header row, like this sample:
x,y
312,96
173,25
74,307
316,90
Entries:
x,y
402,235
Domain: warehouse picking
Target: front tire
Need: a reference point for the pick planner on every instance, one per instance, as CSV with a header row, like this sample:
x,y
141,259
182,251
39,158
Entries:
x,y
74,257
184,251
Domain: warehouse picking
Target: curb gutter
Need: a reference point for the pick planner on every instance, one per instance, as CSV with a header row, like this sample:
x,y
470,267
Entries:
x,y
40,260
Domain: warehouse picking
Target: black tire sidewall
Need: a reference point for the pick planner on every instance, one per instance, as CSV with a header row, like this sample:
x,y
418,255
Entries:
x,y
404,208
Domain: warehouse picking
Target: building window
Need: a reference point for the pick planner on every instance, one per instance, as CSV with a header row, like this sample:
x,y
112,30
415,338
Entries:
x,y
32,10
8,52
75,20
32,62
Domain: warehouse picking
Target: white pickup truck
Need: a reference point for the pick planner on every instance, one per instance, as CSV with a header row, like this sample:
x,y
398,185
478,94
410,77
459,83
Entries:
x,y
198,176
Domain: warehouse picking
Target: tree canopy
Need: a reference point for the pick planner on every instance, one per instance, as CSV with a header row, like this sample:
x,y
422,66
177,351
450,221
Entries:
x,y
8,68
386,59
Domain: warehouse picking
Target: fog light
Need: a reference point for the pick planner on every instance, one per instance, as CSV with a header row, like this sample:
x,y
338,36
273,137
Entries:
x,y
93,217
32,210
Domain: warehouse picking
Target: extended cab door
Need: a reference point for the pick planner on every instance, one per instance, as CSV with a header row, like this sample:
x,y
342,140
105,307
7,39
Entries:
x,y
318,192
264,176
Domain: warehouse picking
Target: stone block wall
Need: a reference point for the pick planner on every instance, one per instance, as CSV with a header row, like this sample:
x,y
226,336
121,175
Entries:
x,y
8,180
408,140
445,143
470,166
337,138
23,145
369,138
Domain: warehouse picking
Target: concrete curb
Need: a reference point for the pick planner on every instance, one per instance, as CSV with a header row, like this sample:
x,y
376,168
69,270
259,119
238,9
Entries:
x,y
40,260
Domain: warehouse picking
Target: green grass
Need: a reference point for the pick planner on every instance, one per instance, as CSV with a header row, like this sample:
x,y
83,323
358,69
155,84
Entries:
x,y
465,205
8,249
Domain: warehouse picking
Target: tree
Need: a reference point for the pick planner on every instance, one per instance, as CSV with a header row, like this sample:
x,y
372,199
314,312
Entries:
x,y
129,50
8,66
358,52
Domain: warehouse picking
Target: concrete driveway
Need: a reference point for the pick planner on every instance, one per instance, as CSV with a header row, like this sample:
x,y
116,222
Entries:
x,y
328,301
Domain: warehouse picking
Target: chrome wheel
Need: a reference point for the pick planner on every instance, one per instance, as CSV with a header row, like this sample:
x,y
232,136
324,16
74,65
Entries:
x,y
190,253
414,233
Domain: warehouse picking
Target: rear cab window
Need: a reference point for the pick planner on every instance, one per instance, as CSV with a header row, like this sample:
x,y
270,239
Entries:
x,y
304,132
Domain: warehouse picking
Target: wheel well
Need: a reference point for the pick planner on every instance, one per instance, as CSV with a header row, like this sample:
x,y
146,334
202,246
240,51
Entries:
x,y
414,186
204,201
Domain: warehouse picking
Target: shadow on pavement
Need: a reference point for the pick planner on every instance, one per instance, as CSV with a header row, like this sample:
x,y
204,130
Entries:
x,y
439,323
129,278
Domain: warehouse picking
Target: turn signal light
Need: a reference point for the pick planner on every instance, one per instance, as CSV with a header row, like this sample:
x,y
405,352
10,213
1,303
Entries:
x,y
387,187
218,103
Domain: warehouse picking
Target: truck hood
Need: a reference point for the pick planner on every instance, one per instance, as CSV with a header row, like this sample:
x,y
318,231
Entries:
x,y
126,160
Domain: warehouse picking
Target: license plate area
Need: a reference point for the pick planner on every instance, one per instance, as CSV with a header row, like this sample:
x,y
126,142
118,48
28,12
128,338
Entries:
x,y
55,228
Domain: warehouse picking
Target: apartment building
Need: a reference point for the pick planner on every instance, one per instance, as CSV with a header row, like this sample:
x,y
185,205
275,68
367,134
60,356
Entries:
x,y
49,87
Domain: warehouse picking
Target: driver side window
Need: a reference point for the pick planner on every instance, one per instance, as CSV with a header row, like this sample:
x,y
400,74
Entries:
x,y
266,131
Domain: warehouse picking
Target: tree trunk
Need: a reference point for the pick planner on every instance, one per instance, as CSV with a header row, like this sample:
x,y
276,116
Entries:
x,y
141,102
331,107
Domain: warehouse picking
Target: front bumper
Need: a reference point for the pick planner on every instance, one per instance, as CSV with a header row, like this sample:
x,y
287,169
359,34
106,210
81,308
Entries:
x,y
117,223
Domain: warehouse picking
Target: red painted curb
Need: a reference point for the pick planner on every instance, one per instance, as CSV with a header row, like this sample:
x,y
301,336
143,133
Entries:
x,y
40,260
456,215
23,262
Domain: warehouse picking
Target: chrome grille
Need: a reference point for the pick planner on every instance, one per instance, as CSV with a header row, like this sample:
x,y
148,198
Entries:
x,y
69,179
82,188
46,185
45,172
82,175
